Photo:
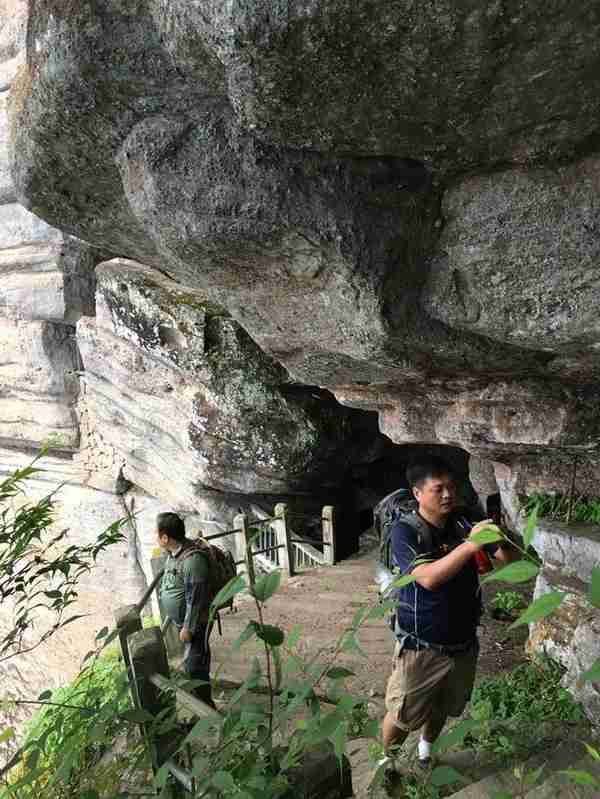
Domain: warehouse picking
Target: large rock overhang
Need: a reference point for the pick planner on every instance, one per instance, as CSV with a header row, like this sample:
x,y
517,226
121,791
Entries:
x,y
378,224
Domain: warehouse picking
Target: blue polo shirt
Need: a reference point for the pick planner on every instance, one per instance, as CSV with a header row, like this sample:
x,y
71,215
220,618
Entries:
x,y
450,614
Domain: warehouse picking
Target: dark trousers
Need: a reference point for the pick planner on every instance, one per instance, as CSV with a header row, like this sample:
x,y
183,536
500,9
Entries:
x,y
196,662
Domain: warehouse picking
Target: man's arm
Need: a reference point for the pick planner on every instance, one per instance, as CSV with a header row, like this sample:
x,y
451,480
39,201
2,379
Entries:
x,y
433,575
196,586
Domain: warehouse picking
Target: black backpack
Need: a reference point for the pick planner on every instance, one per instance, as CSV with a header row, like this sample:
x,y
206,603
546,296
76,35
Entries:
x,y
399,504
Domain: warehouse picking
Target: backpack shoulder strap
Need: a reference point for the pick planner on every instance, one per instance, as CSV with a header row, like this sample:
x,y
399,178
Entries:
x,y
423,530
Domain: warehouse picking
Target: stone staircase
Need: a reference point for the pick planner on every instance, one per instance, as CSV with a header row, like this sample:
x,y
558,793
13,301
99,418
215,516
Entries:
x,y
322,603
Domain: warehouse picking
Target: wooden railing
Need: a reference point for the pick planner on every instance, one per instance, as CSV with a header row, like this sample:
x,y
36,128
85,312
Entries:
x,y
147,663
156,695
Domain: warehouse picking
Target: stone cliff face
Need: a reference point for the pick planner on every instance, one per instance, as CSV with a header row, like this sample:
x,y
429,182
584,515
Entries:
x,y
400,207
391,204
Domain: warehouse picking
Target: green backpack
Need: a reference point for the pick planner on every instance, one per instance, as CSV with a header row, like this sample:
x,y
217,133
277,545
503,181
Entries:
x,y
221,566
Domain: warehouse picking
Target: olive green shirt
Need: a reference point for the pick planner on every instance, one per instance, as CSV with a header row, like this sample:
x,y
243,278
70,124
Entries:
x,y
184,592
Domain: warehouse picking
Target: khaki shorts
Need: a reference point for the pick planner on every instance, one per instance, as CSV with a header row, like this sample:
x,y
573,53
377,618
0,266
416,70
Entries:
x,y
425,681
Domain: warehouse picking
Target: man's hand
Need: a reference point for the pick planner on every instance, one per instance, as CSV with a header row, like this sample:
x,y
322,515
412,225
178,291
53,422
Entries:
x,y
477,529
185,635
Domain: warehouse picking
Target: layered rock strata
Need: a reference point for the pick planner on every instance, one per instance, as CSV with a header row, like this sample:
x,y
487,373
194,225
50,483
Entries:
x,y
347,238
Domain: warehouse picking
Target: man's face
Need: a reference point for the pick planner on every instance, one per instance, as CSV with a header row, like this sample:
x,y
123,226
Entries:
x,y
437,495
162,539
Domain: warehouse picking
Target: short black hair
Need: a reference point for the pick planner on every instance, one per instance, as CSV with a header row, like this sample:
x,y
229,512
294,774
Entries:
x,y
172,525
425,468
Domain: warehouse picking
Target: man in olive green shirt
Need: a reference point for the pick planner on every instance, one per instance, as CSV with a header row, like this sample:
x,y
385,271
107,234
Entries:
x,y
185,598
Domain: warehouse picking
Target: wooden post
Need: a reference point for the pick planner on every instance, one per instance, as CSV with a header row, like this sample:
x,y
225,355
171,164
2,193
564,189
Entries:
x,y
241,523
128,622
328,526
239,537
282,533
148,656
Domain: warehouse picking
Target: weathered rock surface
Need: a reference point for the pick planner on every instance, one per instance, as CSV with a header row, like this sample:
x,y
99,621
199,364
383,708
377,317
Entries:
x,y
571,635
172,381
46,284
208,154
38,387
394,203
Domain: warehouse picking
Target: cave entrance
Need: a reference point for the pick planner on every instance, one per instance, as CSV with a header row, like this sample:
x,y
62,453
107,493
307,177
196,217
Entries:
x,y
367,484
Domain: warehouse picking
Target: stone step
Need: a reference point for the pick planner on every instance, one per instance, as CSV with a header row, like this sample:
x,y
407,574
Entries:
x,y
563,757
559,786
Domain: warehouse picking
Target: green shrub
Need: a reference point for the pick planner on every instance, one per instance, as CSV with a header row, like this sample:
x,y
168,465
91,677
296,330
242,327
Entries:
x,y
508,601
556,506
68,737
521,699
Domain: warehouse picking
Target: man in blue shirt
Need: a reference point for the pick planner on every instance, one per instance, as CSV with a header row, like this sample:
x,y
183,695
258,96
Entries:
x,y
437,615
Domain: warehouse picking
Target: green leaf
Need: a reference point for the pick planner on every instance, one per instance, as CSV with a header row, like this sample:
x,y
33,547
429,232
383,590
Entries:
x,y
233,587
371,729
406,579
339,673
200,728
542,607
350,644
45,695
269,634
579,777
90,794
266,586
455,736
594,594
518,572
162,775
246,634
380,611
327,726
294,636
593,752
530,528
137,715
102,634
490,534
6,735
339,739
534,775
592,674
446,775
223,781
53,594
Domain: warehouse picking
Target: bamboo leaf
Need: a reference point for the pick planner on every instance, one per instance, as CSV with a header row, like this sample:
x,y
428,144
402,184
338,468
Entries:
x,y
339,673
490,534
233,587
267,585
406,579
579,777
518,572
540,608
455,736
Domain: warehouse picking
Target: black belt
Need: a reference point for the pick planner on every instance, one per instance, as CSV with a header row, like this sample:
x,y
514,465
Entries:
x,y
412,642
